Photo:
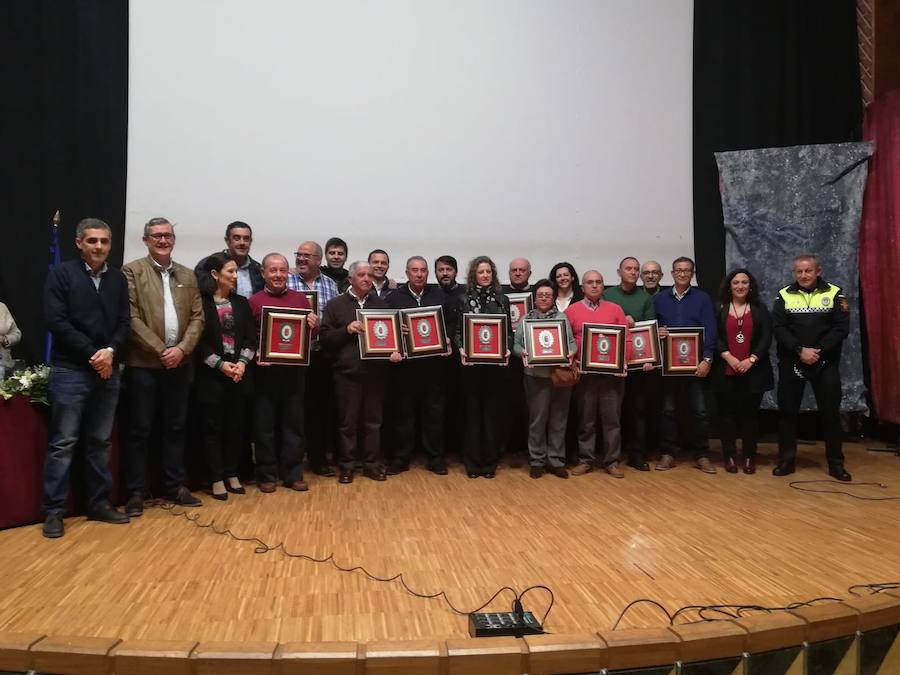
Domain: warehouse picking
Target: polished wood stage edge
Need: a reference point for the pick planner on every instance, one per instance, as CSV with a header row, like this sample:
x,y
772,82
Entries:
x,y
680,537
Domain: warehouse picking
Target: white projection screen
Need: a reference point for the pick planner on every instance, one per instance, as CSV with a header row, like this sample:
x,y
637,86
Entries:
x,y
552,129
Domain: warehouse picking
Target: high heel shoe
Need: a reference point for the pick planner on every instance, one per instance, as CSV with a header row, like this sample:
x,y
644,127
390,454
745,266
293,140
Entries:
x,y
730,465
235,490
750,465
223,496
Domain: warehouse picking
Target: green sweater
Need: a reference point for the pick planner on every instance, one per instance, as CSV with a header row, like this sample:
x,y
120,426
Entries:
x,y
637,304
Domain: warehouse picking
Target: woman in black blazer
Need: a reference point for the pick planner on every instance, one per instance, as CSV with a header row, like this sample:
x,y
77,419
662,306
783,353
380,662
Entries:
x,y
482,385
742,372
225,349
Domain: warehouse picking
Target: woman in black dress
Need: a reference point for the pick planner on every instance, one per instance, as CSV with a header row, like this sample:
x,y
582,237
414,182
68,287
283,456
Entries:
x,y
482,385
225,349
742,371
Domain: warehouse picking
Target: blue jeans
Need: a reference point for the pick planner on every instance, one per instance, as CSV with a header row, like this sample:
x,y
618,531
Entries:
x,y
80,402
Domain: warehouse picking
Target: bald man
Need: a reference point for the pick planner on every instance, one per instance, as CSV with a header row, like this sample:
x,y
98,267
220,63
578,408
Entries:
x,y
651,275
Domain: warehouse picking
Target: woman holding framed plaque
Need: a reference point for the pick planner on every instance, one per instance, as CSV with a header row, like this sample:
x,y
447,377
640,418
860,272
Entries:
x,y
482,385
742,372
548,405
224,350
565,283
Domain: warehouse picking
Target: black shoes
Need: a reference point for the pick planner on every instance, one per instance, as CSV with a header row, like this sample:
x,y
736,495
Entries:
x,y
394,469
183,497
323,470
473,474
221,496
838,471
536,471
375,473
346,477
239,490
53,526
105,513
439,469
134,507
783,469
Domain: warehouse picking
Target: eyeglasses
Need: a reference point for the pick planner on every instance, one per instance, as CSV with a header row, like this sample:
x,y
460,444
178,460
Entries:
x,y
162,236
305,256
683,271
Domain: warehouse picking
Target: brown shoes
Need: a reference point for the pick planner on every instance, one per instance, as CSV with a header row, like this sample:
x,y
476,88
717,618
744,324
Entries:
x,y
614,470
749,466
299,485
665,463
267,486
536,471
705,465
581,469
730,465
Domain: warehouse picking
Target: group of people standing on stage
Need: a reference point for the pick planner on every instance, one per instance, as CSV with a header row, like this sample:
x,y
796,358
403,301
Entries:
x,y
159,330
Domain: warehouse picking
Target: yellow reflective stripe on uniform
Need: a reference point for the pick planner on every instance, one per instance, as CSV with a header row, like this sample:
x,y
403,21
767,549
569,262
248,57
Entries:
x,y
801,302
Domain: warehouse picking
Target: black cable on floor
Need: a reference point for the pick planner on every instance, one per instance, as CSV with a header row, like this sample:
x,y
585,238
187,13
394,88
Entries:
x,y
263,547
794,484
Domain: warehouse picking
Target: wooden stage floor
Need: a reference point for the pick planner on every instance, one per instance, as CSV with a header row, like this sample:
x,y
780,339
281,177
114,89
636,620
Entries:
x,y
680,537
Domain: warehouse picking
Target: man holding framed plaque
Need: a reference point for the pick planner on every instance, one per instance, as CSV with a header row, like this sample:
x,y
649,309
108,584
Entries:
x,y
280,388
544,340
684,306
519,292
358,383
416,389
642,384
598,393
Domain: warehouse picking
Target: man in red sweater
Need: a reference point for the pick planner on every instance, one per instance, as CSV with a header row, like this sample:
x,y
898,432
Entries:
x,y
596,393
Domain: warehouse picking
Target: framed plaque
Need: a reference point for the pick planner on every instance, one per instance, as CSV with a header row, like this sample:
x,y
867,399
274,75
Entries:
x,y
381,333
603,348
682,351
425,333
484,338
284,336
313,298
644,344
547,342
519,305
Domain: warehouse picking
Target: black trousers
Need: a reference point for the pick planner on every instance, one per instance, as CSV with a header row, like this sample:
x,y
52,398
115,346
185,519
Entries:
x,y
515,411
482,389
360,406
417,402
222,413
149,390
738,412
826,384
321,418
280,439
635,415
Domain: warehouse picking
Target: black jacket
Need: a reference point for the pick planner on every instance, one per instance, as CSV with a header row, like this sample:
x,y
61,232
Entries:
x,y
465,306
340,276
211,338
820,325
759,377
82,318
343,347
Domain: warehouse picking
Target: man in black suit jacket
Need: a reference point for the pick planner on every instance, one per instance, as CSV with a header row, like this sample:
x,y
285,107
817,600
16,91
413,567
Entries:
x,y
358,384
417,386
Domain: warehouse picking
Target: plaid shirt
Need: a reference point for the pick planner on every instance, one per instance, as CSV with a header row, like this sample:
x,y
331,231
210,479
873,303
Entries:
x,y
326,288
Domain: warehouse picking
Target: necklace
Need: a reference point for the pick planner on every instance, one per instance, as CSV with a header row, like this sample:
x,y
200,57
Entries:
x,y
740,322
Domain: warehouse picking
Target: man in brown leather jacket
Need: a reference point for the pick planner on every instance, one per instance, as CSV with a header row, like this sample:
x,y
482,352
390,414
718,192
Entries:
x,y
166,323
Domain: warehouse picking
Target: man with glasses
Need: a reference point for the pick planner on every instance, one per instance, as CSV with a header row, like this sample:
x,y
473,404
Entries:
x,y
320,410
685,306
238,238
166,323
651,275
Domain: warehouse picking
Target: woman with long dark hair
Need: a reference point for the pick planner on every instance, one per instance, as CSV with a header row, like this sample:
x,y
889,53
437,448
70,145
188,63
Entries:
x,y
482,385
742,371
566,285
225,349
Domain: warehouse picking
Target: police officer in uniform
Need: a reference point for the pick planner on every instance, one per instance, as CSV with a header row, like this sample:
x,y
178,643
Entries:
x,y
811,320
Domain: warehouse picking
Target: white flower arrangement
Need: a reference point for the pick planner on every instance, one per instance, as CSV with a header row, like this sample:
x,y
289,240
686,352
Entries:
x,y
30,382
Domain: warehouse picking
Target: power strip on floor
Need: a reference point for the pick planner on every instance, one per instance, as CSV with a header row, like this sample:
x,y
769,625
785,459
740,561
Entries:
x,y
495,624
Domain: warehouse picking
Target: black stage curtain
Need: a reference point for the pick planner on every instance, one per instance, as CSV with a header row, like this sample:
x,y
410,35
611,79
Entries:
x,y
63,131
769,73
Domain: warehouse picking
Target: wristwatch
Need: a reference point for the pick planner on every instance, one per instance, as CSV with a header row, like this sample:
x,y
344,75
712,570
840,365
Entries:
x,y
707,359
